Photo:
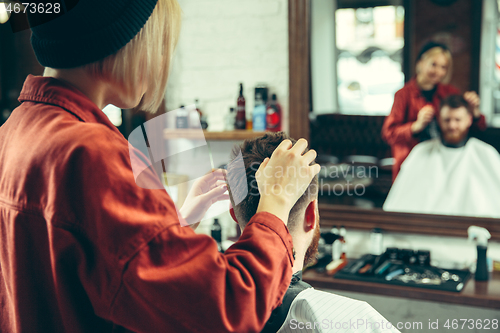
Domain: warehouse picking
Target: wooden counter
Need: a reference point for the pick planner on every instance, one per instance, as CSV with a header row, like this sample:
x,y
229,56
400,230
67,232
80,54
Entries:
x,y
196,134
482,294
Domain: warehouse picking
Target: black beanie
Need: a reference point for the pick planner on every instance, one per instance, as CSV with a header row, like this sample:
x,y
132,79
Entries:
x,y
90,31
430,45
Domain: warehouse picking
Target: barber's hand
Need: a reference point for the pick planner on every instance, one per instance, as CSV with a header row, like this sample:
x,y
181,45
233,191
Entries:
x,y
204,193
424,117
473,99
284,177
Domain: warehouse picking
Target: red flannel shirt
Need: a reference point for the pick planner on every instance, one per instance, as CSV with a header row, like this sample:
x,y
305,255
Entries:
x,y
84,249
407,103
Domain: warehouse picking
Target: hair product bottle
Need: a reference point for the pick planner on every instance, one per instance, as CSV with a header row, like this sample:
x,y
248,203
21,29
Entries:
x,y
273,115
481,236
182,120
259,114
230,120
240,122
216,232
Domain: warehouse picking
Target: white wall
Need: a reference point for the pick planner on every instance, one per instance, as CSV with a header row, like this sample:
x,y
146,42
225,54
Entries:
x,y
224,42
323,65
488,83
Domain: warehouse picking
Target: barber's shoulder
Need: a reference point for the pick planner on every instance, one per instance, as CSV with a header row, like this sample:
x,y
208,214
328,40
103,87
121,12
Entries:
x,y
88,142
407,88
450,89
92,135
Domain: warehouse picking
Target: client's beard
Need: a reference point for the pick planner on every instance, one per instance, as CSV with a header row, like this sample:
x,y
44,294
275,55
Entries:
x,y
312,250
455,138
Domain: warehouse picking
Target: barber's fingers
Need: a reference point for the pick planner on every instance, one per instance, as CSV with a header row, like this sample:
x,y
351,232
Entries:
x,y
222,197
426,114
213,174
216,184
283,146
213,177
472,98
217,174
315,169
309,156
299,147
215,192
470,94
262,166
428,109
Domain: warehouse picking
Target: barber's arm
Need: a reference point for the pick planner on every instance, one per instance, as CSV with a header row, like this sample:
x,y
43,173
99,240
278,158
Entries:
x,y
179,282
142,270
424,117
396,128
479,120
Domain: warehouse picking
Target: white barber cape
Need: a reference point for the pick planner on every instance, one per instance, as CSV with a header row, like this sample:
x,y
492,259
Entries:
x,y
318,311
435,179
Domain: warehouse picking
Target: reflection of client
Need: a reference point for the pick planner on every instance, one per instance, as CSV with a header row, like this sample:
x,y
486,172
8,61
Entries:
x,y
412,118
453,174
301,302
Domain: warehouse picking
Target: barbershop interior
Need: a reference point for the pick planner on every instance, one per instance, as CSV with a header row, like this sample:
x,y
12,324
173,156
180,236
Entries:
x,y
400,99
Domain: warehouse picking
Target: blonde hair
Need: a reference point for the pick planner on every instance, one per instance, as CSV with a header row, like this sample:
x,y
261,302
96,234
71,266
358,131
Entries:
x,y
146,58
438,50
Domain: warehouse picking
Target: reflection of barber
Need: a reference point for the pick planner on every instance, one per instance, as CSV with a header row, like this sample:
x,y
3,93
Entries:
x,y
83,248
413,115
452,174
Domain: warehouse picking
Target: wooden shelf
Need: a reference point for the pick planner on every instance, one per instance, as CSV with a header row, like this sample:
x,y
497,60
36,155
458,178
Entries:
x,y
232,135
195,134
475,293
425,224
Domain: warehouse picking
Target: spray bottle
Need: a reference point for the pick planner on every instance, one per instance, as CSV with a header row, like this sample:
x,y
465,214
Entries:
x,y
481,235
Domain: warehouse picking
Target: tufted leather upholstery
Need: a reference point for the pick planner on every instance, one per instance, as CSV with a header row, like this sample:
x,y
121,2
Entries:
x,y
343,135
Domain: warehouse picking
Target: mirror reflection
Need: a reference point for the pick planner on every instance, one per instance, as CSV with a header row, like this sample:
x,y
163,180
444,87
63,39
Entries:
x,y
396,116
369,44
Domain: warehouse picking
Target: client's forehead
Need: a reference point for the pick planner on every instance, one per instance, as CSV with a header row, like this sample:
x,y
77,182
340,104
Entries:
x,y
448,111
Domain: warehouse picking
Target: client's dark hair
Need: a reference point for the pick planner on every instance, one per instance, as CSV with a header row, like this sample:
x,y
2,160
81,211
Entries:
x,y
253,152
455,102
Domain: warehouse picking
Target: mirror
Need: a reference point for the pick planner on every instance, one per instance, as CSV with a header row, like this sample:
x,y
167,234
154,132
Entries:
x,y
350,141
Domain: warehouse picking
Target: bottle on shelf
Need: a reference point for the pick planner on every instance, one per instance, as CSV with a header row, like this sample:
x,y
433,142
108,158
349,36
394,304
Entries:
x,y
181,119
343,234
249,120
262,89
197,117
240,122
273,115
259,114
376,242
194,116
216,233
337,244
230,120
481,236
338,259
197,106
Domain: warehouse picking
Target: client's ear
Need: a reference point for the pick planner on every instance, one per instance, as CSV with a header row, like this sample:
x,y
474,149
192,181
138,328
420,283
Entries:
x,y
231,211
310,216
